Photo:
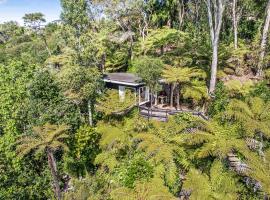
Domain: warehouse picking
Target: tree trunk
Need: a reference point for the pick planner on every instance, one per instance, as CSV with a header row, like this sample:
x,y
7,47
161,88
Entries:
x,y
178,97
264,40
151,99
181,13
46,44
90,114
52,166
162,50
214,69
103,62
235,23
151,105
156,96
172,89
215,11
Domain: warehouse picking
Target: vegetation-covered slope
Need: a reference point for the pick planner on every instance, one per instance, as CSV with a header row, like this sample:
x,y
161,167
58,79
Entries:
x,y
63,135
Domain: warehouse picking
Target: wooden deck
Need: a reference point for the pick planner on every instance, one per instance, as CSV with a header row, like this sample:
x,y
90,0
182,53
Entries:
x,y
163,114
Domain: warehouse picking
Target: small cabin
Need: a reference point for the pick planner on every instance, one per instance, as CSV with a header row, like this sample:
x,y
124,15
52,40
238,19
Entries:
x,y
163,102
125,81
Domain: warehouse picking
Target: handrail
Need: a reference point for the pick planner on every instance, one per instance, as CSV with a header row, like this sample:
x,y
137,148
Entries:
x,y
169,112
154,109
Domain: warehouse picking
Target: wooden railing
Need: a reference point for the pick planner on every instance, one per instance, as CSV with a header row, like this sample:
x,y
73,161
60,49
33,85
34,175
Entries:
x,y
154,112
164,113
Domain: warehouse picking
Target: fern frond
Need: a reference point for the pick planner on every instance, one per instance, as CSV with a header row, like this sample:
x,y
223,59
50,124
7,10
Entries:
x,y
106,159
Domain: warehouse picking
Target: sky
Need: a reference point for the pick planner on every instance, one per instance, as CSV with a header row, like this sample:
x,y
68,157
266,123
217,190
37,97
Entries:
x,y
15,9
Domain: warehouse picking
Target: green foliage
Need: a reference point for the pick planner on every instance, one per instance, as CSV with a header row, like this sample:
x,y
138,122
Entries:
x,y
253,114
215,140
220,100
52,74
236,88
75,14
196,91
260,170
79,83
91,187
181,74
158,39
47,102
111,104
86,140
137,169
235,60
47,140
34,20
149,69
84,151
261,90
14,79
44,138
188,80
21,179
220,184
152,189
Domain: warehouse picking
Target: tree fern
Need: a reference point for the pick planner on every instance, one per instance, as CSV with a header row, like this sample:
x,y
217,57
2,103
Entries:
x,y
183,77
107,160
237,88
164,150
45,139
153,189
215,140
220,184
253,114
259,171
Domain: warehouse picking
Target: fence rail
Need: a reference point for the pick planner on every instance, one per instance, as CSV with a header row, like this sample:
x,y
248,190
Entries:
x,y
163,114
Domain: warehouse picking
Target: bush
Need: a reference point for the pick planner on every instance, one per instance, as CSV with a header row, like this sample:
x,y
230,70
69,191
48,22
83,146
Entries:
x,y
261,90
220,101
135,170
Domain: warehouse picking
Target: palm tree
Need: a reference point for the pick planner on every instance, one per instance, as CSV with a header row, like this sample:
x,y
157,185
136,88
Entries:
x,y
179,76
45,139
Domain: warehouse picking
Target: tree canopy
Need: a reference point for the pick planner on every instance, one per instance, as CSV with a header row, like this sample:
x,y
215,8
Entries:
x,y
67,134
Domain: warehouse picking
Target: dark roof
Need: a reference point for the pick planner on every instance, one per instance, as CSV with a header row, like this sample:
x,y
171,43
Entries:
x,y
123,78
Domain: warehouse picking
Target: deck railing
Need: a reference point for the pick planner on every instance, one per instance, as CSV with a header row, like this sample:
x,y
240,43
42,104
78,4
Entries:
x,y
163,114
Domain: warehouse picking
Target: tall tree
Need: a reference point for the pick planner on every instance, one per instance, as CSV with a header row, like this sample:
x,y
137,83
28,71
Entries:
x,y
75,17
74,13
46,139
47,103
81,85
34,21
264,40
215,11
149,69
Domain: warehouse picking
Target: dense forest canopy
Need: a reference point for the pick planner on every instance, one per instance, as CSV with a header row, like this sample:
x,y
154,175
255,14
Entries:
x,y
64,135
